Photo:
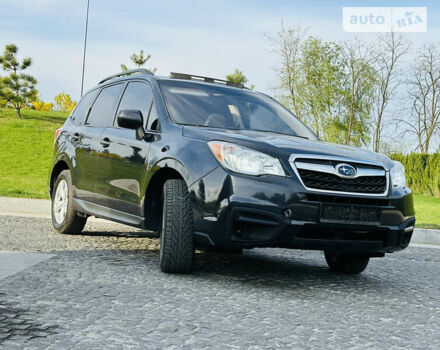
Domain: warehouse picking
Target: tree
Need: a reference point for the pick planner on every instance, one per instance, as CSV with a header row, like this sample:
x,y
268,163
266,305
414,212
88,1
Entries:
x,y
390,48
287,44
139,61
238,78
328,85
64,103
18,89
424,97
319,87
41,105
358,97
3,102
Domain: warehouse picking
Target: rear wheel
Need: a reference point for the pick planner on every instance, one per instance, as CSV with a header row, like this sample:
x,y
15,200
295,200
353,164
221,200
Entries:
x,y
346,263
64,218
177,233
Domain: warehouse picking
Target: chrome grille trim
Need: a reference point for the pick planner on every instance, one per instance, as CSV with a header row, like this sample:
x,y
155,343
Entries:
x,y
327,168
361,171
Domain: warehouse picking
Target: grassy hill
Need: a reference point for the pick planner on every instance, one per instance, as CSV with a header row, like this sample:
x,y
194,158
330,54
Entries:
x,y
26,146
26,152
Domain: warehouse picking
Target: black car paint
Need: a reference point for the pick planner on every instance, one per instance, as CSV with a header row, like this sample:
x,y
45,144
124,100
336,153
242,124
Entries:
x,y
118,177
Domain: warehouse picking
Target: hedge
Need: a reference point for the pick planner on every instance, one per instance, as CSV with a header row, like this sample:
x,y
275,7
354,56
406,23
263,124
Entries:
x,y
422,172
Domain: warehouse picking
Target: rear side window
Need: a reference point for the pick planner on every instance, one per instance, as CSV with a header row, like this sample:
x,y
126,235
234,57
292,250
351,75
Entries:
x,y
79,115
138,96
102,113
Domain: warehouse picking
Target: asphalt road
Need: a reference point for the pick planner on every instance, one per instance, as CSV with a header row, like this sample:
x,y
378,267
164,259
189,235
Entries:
x,y
100,290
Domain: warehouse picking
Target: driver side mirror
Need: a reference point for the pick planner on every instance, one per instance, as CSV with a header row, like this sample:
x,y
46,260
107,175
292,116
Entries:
x,y
132,119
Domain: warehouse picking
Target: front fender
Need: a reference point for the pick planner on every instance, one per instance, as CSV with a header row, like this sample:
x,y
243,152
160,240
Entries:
x,y
191,158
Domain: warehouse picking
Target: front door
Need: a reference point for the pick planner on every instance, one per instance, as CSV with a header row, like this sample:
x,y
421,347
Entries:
x,y
122,159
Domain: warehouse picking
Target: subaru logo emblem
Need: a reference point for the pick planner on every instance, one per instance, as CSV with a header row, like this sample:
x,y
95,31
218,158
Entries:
x,y
345,170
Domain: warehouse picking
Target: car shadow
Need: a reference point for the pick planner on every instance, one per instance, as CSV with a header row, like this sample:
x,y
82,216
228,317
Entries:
x,y
280,268
261,268
267,268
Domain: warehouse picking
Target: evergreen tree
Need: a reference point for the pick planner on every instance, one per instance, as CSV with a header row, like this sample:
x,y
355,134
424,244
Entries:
x,y
238,78
139,61
17,88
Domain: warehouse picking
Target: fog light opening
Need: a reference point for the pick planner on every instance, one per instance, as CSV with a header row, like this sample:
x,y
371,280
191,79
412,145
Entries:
x,y
288,213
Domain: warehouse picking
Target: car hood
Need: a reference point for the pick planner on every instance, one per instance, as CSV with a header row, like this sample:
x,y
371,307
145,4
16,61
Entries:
x,y
282,146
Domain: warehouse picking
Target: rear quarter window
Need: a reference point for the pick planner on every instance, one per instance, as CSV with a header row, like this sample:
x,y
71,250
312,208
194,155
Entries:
x,y
80,112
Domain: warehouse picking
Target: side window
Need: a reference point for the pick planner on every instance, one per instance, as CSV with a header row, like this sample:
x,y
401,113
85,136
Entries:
x,y
138,96
102,113
79,115
153,121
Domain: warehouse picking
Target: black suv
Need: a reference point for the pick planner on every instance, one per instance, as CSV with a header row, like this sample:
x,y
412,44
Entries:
x,y
207,163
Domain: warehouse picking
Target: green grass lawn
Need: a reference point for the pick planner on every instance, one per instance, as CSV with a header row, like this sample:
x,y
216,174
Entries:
x,y
26,147
427,211
26,153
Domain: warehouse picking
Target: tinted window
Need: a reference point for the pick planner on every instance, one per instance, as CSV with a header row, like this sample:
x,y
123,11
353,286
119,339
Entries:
x,y
81,110
138,96
103,109
153,120
209,105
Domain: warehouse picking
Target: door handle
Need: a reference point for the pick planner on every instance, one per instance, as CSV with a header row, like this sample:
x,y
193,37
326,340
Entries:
x,y
105,142
75,137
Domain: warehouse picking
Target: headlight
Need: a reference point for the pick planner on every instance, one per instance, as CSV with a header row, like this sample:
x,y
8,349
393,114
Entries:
x,y
244,160
398,176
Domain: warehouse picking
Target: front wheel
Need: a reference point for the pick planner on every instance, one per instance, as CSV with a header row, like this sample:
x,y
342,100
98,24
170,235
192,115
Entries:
x,y
64,218
177,233
346,263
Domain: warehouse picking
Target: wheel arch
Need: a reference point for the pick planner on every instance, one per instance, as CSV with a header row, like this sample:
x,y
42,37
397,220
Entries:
x,y
153,194
59,166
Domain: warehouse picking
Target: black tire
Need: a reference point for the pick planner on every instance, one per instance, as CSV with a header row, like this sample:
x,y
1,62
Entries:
x,y
72,223
177,233
351,264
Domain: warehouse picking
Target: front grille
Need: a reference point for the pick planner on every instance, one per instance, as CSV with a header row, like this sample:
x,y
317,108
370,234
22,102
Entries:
x,y
331,182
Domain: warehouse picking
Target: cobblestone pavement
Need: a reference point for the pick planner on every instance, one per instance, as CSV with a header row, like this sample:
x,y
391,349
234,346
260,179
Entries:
x,y
100,291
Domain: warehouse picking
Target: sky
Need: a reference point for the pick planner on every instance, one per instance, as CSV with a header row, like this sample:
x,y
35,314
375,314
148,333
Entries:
x,y
201,37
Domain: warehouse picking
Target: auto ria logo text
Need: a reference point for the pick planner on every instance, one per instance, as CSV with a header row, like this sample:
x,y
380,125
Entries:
x,y
384,19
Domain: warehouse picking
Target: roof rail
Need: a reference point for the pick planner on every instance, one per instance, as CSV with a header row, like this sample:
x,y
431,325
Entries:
x,y
185,76
128,72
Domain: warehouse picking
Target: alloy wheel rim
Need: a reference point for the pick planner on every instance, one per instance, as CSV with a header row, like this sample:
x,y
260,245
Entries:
x,y
61,201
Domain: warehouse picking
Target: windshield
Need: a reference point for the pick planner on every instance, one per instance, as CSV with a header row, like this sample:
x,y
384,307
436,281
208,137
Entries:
x,y
191,103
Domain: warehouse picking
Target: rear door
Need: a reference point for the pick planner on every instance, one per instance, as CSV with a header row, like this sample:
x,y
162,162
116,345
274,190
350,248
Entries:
x,y
122,184
82,137
100,116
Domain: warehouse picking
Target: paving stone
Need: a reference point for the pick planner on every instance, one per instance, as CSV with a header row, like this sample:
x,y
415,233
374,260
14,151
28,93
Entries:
x,y
106,292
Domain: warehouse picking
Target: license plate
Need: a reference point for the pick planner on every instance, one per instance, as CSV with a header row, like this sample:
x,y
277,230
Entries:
x,y
341,213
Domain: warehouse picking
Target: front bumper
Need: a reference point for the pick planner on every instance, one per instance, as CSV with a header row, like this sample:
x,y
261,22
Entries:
x,y
243,211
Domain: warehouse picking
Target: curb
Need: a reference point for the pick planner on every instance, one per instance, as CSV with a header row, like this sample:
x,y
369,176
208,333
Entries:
x,y
34,208
41,208
426,236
